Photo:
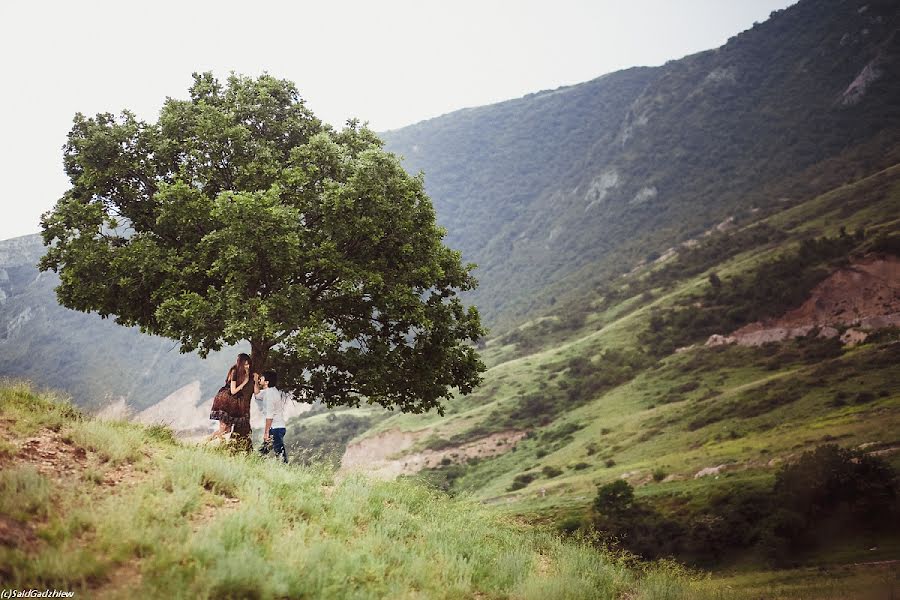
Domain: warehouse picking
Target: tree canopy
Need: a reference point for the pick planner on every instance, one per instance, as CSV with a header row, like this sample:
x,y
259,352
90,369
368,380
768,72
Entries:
x,y
240,216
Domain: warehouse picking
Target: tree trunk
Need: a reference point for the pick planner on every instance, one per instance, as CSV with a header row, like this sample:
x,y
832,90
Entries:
x,y
259,353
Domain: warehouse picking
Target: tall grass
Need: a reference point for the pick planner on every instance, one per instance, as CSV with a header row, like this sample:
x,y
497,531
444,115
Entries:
x,y
202,523
24,492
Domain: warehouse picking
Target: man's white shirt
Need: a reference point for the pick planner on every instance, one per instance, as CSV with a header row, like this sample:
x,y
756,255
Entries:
x,y
271,406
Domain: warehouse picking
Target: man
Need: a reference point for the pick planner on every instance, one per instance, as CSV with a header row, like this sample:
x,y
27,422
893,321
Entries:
x,y
271,404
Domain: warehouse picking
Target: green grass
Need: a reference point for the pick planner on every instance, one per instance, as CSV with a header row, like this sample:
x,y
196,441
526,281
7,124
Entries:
x,y
203,523
114,442
24,493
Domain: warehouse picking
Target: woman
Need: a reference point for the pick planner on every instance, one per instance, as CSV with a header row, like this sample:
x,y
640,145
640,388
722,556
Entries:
x,y
227,406
240,416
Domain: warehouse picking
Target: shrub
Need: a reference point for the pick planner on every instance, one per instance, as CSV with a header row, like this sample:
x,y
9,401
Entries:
x,y
521,481
437,443
864,397
161,433
828,484
550,472
614,498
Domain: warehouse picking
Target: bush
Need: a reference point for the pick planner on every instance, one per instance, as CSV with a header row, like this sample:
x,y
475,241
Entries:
x,y
831,477
864,397
521,481
830,484
437,443
614,498
827,493
551,472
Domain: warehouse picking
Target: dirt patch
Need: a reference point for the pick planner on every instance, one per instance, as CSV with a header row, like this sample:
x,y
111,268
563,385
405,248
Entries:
x,y
884,450
124,474
378,448
15,534
544,565
52,455
59,458
865,295
386,455
707,471
121,582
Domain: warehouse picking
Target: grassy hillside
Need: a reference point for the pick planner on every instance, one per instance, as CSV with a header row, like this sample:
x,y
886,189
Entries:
x,y
602,397
111,509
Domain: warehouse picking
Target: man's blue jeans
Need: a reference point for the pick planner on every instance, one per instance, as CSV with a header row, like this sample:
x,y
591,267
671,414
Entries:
x,y
276,443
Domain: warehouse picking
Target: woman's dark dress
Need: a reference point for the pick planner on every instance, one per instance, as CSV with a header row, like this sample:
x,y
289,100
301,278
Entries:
x,y
234,410
240,435
222,404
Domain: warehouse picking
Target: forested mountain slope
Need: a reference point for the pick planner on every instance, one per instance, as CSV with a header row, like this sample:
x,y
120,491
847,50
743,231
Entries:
x,y
592,178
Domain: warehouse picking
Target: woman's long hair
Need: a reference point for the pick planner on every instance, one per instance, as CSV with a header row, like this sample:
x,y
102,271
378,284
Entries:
x,y
241,368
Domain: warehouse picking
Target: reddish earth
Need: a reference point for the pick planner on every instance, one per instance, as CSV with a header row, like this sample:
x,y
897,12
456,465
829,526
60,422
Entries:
x,y
864,296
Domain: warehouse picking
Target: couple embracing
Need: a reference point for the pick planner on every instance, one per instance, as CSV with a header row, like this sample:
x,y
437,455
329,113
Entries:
x,y
231,407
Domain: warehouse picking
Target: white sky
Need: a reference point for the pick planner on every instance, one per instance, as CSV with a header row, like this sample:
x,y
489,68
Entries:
x,y
392,63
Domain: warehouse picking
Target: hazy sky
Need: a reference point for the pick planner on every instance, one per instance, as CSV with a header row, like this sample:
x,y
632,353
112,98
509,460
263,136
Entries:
x,y
391,63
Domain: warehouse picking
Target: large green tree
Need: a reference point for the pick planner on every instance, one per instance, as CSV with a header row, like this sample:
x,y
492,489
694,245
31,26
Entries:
x,y
240,216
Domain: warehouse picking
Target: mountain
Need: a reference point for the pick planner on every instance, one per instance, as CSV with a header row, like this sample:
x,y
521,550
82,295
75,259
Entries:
x,y
555,193
93,359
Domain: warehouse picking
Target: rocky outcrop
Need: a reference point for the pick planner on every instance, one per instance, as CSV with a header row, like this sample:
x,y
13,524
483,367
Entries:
x,y
864,296
706,472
